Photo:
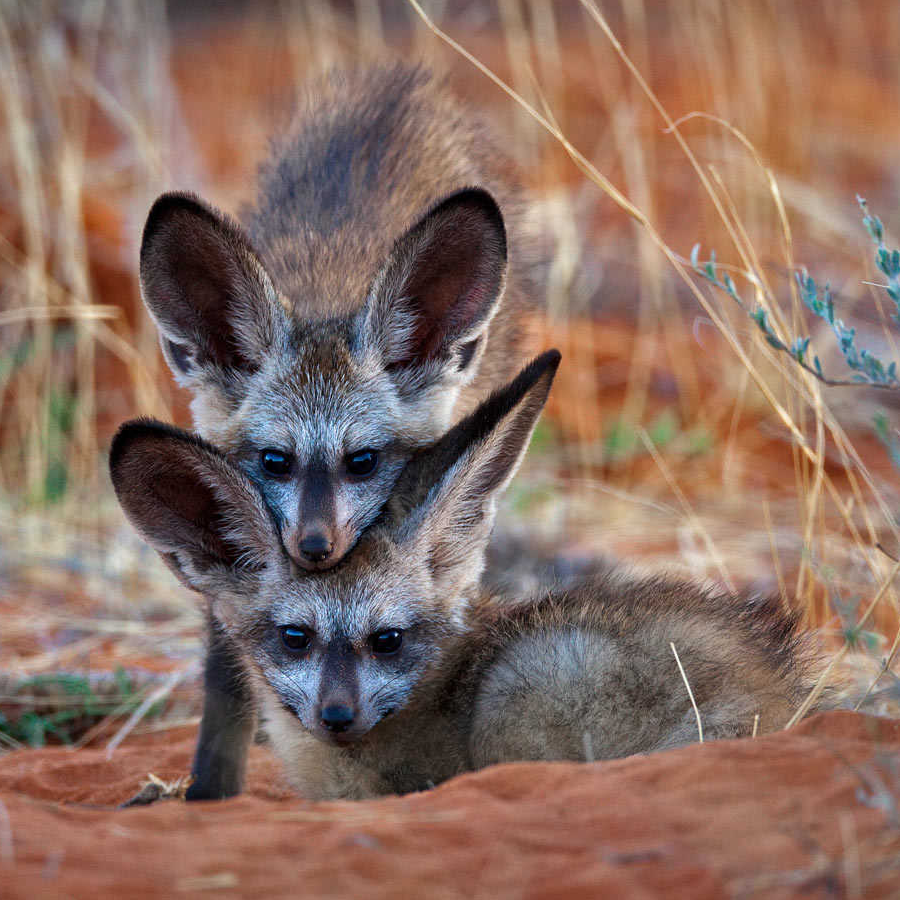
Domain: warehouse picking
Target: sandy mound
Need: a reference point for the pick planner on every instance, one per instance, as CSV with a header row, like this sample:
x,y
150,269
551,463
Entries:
x,y
810,813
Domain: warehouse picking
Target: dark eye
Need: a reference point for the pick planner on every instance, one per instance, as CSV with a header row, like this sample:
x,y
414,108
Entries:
x,y
362,463
294,638
384,643
275,462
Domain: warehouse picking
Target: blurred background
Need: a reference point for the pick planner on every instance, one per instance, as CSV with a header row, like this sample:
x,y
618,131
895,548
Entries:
x,y
677,436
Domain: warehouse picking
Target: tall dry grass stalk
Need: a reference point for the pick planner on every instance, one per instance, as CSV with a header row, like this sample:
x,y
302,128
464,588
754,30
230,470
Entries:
x,y
798,399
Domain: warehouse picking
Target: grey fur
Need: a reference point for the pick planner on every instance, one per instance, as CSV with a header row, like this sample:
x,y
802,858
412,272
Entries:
x,y
585,672
374,295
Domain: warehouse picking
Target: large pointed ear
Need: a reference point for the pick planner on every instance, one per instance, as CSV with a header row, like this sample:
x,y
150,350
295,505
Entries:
x,y
214,303
203,515
445,500
442,282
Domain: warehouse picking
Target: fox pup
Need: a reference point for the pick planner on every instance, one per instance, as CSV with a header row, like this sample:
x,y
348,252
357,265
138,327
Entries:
x,y
367,301
391,672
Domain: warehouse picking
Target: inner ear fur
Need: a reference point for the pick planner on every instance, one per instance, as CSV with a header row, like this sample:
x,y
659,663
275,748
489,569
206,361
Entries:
x,y
448,491
441,284
206,288
186,500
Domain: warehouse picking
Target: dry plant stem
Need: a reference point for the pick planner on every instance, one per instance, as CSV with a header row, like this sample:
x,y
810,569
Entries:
x,y
776,559
515,36
34,313
639,166
57,658
808,496
736,412
607,186
739,238
10,743
885,666
24,150
820,684
101,726
369,28
71,167
542,15
687,684
815,456
695,522
887,331
757,275
766,300
152,727
160,693
848,452
852,463
850,455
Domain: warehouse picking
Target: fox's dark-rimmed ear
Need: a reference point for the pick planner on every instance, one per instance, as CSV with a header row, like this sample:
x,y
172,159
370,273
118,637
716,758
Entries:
x,y
441,284
200,513
445,500
212,300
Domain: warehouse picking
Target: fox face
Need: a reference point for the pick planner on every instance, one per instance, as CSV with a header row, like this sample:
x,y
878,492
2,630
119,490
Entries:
x,y
342,654
325,445
323,413
341,650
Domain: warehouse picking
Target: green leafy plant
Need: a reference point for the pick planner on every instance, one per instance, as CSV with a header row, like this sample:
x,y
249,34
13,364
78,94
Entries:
x,y
60,707
868,368
622,441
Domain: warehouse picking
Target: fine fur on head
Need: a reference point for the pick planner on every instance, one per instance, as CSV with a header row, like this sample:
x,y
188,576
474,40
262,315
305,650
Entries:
x,y
366,304
413,572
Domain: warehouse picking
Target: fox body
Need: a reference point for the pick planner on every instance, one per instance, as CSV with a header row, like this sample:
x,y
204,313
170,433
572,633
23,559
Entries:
x,y
392,672
373,295
368,301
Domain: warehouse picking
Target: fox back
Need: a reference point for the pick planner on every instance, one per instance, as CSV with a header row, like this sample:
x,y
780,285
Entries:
x,y
374,295
590,673
392,672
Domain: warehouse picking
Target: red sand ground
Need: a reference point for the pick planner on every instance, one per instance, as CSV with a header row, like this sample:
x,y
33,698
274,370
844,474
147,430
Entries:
x,y
811,813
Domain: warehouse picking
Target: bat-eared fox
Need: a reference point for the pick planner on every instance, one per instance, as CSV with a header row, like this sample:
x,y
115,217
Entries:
x,y
393,671
373,295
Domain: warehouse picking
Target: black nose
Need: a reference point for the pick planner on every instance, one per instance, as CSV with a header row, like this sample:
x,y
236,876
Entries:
x,y
337,718
315,547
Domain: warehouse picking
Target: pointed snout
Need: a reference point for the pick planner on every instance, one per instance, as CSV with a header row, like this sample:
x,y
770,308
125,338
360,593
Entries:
x,y
337,718
315,545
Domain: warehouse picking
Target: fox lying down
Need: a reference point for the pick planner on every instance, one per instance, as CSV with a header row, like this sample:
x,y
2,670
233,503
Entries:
x,y
391,672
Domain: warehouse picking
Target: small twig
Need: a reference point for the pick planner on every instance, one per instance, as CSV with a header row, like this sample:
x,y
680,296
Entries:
x,y
154,789
10,742
709,270
823,678
695,522
755,725
162,691
890,556
36,313
690,692
883,670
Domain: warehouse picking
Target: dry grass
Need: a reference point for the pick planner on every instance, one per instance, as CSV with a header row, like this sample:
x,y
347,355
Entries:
x,y
675,436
